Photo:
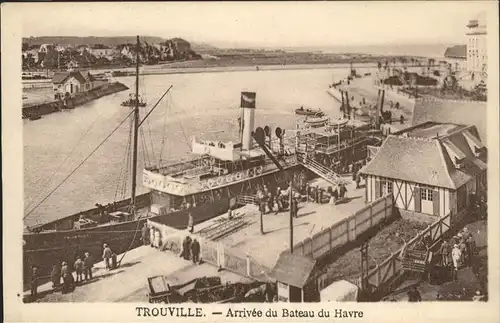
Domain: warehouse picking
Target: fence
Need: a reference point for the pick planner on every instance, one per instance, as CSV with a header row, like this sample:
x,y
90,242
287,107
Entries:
x,y
347,230
384,272
214,253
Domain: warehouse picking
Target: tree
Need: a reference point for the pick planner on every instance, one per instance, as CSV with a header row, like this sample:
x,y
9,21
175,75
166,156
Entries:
x,y
25,46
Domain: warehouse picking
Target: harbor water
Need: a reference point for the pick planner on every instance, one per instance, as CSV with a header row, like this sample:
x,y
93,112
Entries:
x,y
205,105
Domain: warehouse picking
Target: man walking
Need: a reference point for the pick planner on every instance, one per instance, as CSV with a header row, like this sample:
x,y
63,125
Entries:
x,y
88,264
106,255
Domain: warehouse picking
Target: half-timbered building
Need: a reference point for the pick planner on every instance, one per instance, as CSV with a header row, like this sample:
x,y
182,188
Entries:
x,y
431,169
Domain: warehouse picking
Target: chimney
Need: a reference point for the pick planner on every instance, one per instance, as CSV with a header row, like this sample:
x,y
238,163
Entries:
x,y
248,107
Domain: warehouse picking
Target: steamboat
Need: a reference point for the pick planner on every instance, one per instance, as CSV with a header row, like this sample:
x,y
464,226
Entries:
x,y
221,175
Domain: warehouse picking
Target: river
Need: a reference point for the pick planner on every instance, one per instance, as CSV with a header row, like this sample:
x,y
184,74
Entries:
x,y
204,105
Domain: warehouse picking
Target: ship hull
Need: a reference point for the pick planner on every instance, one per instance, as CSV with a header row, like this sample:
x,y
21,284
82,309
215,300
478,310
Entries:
x,y
48,248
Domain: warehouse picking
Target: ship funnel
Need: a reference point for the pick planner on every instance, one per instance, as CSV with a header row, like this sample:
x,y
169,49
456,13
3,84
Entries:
x,y
248,107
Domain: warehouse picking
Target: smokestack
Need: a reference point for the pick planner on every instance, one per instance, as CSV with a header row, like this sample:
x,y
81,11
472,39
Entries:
x,y
248,107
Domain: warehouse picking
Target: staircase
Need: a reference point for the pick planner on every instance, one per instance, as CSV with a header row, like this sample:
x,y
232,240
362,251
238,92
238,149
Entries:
x,y
319,169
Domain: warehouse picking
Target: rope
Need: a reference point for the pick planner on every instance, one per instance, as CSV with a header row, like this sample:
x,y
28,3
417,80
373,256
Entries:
x,y
151,141
62,163
186,140
125,164
131,243
163,134
79,165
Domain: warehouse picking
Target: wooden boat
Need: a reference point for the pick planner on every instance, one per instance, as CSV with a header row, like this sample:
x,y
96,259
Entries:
x,y
35,117
309,112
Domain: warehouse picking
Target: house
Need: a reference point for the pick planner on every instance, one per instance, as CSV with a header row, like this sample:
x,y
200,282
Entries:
x,y
431,169
107,53
452,111
72,65
71,82
456,56
45,48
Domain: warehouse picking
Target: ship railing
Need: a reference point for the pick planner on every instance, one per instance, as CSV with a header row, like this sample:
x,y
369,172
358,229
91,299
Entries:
x,y
246,199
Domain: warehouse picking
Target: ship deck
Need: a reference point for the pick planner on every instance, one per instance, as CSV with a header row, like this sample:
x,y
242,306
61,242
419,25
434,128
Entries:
x,y
312,218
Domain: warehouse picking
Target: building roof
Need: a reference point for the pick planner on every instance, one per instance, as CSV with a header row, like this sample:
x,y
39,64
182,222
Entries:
x,y
452,111
293,269
61,77
428,160
457,51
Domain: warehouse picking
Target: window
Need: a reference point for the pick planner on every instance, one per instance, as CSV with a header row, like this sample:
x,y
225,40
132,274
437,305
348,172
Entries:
x,y
426,194
386,187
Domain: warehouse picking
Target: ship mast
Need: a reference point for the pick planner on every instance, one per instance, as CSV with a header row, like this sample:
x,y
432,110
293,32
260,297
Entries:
x,y
136,132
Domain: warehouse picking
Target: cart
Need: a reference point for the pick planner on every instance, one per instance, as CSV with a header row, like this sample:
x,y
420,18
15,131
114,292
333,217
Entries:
x,y
159,290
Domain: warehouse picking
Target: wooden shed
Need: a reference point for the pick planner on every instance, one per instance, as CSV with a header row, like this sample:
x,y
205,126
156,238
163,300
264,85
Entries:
x,y
295,278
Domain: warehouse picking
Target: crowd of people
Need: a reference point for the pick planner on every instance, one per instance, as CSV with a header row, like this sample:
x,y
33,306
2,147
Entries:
x,y
459,252
62,271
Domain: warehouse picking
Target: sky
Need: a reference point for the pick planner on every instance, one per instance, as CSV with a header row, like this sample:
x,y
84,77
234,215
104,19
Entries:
x,y
285,24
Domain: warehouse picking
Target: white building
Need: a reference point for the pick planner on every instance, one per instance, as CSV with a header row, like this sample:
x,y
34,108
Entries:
x,y
477,50
431,169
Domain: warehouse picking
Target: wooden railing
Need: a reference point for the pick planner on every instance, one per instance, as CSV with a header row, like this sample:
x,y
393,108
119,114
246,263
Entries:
x,y
348,230
384,272
319,169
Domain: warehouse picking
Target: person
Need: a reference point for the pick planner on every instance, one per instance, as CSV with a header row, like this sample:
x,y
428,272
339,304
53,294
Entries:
x,y
157,241
456,256
343,191
316,194
230,214
445,253
88,264
335,194
78,265
106,255
471,247
295,207
466,233
320,196
270,202
195,251
414,295
463,252
190,222
68,280
34,282
145,234
55,276
358,180
188,247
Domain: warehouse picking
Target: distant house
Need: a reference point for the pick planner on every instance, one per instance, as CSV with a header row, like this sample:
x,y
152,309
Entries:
x,y
431,169
71,82
45,48
107,53
457,57
72,65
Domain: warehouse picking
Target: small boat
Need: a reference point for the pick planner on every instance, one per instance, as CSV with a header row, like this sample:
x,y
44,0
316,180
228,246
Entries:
x,y
132,101
309,112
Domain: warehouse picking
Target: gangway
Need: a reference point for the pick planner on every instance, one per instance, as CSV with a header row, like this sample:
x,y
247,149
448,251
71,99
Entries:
x,y
319,169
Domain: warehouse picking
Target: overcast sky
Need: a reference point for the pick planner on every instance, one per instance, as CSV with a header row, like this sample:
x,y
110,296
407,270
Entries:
x,y
265,24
